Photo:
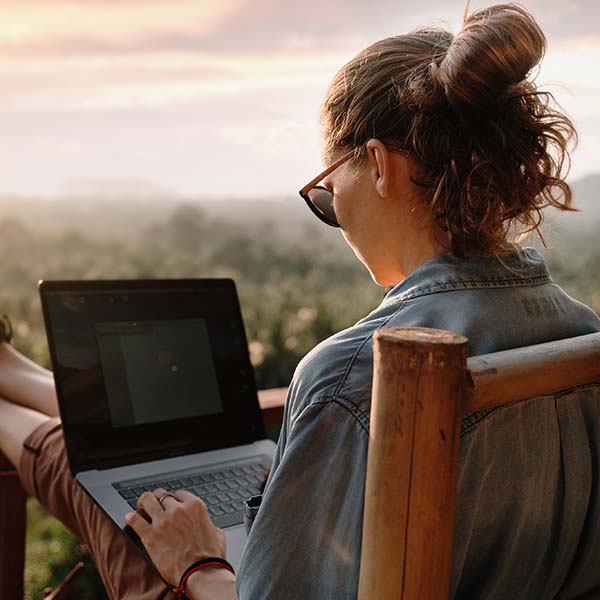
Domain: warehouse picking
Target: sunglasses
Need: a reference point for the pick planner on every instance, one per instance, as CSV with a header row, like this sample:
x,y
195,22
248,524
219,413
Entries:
x,y
319,198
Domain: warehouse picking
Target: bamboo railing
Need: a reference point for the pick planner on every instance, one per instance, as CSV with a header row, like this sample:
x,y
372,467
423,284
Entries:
x,y
422,385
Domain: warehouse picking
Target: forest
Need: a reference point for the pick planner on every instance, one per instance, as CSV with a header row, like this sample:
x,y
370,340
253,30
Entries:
x,y
297,280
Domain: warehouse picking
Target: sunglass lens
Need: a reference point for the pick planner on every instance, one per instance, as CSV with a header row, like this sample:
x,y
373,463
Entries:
x,y
322,202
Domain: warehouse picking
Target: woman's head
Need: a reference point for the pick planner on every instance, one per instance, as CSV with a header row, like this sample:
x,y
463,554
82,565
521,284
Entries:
x,y
484,149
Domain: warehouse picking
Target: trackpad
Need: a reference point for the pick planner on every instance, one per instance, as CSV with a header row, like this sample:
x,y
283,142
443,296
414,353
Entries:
x,y
236,540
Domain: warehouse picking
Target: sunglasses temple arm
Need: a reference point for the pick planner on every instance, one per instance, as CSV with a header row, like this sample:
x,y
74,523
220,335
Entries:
x,y
326,172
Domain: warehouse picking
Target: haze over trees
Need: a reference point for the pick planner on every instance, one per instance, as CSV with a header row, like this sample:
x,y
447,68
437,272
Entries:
x,y
297,280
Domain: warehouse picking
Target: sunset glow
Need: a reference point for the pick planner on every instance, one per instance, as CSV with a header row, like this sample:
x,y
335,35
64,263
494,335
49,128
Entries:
x,y
178,93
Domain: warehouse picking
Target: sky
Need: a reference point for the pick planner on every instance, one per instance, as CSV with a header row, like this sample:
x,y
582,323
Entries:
x,y
219,98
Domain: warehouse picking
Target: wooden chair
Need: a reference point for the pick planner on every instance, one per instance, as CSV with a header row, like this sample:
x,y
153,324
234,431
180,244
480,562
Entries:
x,y
423,384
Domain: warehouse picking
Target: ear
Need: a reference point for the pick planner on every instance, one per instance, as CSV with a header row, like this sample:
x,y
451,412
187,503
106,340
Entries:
x,y
380,167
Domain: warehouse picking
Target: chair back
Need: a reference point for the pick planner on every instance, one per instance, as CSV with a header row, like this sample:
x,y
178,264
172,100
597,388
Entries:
x,y
423,384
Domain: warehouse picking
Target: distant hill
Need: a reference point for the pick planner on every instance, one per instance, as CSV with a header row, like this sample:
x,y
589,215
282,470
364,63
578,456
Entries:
x,y
124,218
586,196
124,215
586,192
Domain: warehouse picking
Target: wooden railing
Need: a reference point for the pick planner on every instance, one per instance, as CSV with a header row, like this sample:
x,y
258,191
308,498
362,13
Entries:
x,y
422,385
12,511
12,532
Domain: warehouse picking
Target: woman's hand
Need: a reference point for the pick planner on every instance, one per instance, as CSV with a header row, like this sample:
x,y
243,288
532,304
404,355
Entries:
x,y
176,532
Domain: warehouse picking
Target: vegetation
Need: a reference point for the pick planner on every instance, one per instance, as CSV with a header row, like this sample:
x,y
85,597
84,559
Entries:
x,y
298,283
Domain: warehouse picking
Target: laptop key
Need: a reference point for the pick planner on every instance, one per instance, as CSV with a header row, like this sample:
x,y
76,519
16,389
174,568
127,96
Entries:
x,y
138,491
222,486
126,494
132,503
222,497
217,511
210,500
186,482
226,520
228,507
211,487
207,477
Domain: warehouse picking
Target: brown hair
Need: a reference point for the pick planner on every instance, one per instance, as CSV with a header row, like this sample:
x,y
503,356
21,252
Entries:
x,y
489,148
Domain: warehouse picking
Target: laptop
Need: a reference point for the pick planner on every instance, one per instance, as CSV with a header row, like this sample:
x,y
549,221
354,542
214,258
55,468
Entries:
x,y
155,389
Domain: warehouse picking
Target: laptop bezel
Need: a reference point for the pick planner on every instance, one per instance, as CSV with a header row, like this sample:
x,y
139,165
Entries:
x,y
167,444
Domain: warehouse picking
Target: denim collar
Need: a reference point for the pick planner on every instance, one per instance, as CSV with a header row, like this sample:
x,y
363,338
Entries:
x,y
446,272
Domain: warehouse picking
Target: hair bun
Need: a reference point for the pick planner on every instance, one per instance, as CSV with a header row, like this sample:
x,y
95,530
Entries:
x,y
496,48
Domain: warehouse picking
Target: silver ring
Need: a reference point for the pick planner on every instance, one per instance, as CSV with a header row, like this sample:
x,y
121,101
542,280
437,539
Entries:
x,y
166,495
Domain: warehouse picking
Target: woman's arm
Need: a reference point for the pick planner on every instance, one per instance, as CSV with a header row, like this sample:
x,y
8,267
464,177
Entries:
x,y
211,584
176,532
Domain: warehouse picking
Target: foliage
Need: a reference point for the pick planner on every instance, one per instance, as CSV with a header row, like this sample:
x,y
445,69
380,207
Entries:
x,y
51,552
297,286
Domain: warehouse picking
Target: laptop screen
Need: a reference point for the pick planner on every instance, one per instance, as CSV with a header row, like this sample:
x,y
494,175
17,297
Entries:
x,y
149,369
146,362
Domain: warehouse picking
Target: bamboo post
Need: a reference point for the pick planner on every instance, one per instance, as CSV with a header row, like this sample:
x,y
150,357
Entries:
x,y
410,494
12,532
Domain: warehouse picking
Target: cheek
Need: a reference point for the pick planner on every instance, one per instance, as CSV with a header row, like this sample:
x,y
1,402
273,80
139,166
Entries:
x,y
352,214
345,207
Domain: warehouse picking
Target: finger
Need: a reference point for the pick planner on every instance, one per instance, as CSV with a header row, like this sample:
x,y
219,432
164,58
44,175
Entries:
x,y
184,496
164,498
191,501
149,504
137,523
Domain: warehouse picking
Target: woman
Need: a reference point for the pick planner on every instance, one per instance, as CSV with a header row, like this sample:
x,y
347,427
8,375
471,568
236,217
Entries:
x,y
441,152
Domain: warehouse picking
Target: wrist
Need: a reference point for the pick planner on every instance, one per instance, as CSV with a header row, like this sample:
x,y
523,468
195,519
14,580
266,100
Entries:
x,y
211,583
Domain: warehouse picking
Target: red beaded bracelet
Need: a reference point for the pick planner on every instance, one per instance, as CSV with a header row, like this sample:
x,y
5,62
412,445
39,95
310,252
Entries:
x,y
212,561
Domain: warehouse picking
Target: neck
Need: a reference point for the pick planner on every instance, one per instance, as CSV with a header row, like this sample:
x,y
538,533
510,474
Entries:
x,y
415,249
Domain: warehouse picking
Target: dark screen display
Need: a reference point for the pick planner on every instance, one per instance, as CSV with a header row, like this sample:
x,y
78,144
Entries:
x,y
146,370
157,370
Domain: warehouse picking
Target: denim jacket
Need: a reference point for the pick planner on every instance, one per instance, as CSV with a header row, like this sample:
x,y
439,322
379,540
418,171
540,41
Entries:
x,y
527,497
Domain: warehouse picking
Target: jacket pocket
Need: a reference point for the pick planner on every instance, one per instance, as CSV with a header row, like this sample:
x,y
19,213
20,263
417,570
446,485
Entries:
x,y
251,506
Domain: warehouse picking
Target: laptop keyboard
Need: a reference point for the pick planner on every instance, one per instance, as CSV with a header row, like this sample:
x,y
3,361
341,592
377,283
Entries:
x,y
222,489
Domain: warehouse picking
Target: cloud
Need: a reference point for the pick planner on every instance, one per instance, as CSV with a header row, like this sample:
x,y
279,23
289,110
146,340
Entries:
x,y
262,26
207,96
61,28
